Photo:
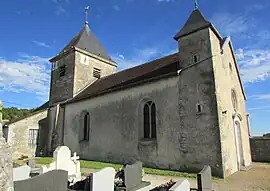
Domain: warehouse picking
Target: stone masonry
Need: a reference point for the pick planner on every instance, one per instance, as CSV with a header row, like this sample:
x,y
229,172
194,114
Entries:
x,y
260,149
6,176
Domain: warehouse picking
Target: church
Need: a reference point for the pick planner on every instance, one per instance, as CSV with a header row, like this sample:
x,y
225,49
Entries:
x,y
178,112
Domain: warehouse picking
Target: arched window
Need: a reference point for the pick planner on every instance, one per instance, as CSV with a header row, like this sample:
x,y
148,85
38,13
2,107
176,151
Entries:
x,y
234,100
149,120
86,127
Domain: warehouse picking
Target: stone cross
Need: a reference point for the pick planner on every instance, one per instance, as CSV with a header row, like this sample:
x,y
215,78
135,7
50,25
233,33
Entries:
x,y
86,15
75,157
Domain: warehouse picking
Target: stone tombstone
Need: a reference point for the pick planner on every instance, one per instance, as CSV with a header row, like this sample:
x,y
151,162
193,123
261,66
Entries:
x,y
62,160
32,163
55,180
181,186
133,175
103,180
21,173
204,179
6,176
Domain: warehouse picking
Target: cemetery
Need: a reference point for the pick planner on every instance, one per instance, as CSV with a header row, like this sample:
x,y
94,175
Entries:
x,y
64,174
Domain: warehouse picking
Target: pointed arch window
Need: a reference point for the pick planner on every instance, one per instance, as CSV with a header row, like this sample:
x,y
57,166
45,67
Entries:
x,y
149,120
85,127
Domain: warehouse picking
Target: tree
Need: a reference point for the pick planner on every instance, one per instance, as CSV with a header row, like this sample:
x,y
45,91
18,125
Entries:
x,y
14,113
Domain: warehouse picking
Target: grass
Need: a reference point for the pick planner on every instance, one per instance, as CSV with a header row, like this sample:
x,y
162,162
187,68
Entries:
x,y
100,165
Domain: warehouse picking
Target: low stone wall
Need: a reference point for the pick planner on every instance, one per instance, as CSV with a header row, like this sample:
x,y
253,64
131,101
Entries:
x,y
260,149
6,176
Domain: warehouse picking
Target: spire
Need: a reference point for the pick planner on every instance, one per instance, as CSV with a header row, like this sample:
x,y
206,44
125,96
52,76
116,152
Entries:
x,y
195,22
196,4
86,15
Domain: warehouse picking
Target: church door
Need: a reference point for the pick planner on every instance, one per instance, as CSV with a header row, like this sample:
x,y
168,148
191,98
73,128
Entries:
x,y
239,145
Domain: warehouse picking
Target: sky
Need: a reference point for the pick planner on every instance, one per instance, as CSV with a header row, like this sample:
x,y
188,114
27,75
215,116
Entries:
x,y
133,32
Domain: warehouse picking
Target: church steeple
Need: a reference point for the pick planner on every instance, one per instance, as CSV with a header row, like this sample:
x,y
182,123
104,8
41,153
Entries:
x,y
195,22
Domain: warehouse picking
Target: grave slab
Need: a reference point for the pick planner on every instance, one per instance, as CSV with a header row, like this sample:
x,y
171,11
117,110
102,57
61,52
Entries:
x,y
55,180
103,180
204,179
181,186
62,160
21,173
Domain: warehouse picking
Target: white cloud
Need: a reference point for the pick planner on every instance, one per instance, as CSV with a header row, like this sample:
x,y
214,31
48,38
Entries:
x,y
261,97
42,44
27,74
116,7
254,64
165,0
231,24
60,10
262,108
61,1
254,56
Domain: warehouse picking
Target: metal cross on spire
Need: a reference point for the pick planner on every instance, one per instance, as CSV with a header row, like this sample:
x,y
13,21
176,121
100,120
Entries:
x,y
196,4
86,15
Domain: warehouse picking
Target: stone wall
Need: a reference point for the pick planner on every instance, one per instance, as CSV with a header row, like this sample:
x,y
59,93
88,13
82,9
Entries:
x,y
18,134
226,80
116,126
260,149
6,176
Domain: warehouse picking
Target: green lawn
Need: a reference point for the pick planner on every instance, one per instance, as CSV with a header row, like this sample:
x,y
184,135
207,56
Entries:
x,y
100,165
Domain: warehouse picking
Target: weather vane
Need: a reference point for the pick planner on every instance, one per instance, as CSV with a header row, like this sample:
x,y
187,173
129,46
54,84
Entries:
x,y
196,4
86,14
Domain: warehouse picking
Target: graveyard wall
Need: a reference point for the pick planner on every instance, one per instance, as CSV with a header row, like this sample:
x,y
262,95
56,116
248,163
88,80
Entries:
x,y
18,134
226,80
260,149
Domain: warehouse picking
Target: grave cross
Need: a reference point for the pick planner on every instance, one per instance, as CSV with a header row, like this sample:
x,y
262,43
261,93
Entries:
x,y
75,157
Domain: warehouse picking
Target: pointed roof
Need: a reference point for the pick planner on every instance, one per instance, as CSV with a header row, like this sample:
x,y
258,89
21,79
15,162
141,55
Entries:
x,y
195,22
87,41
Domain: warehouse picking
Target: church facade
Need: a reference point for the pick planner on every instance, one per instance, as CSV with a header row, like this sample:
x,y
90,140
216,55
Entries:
x,y
179,112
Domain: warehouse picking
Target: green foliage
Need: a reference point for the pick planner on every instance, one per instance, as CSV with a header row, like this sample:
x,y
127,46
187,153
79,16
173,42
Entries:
x,y
14,113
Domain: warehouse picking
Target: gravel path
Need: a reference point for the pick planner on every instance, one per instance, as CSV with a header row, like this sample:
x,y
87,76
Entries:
x,y
255,179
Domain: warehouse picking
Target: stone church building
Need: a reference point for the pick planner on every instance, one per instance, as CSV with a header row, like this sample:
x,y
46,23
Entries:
x,y
179,112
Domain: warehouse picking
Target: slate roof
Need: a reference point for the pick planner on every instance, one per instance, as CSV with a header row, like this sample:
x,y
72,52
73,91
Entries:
x,y
87,41
195,22
146,72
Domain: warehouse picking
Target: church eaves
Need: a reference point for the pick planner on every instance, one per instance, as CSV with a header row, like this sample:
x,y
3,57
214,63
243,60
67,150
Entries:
x,y
87,41
195,22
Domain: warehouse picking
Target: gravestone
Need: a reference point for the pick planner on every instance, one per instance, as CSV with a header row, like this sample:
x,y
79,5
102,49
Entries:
x,y
204,179
133,177
32,163
103,180
181,186
6,177
21,173
62,160
55,180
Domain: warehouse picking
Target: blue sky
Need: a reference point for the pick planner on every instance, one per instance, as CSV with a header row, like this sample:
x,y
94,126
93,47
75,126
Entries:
x,y
133,32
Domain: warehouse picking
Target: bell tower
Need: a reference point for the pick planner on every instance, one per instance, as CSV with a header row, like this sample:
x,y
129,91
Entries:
x,y
82,61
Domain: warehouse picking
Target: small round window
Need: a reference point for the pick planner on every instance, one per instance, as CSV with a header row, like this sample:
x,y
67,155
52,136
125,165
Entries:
x,y
234,100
